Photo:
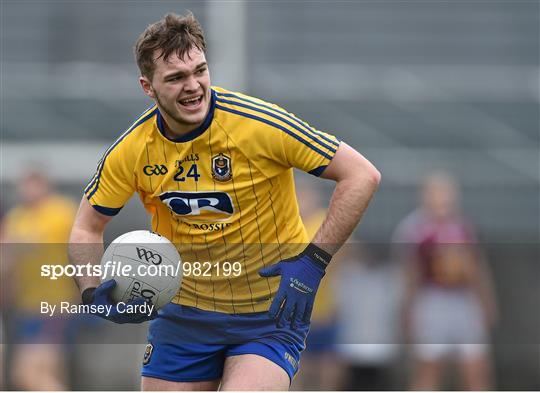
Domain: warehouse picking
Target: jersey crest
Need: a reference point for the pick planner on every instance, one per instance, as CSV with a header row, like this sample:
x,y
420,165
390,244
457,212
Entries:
x,y
221,167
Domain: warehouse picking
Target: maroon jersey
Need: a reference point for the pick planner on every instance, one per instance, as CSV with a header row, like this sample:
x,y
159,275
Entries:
x,y
443,248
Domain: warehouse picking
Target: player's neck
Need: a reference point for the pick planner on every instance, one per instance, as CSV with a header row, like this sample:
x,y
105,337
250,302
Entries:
x,y
36,203
173,129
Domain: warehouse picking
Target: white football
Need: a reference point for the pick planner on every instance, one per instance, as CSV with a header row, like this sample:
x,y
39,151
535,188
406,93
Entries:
x,y
154,271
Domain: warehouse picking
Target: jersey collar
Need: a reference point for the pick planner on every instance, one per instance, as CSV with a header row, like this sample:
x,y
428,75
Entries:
x,y
196,132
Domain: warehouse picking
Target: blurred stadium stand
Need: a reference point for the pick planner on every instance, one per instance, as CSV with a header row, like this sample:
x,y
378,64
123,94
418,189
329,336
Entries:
x,y
414,85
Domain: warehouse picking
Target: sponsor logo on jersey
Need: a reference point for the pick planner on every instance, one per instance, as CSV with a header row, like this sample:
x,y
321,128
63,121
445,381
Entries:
x,y
147,353
155,170
210,227
210,204
221,167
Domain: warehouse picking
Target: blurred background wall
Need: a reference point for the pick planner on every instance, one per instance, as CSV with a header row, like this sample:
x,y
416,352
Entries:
x,y
413,85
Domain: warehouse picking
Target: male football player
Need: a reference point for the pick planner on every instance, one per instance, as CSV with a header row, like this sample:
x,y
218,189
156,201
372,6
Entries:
x,y
214,169
449,303
33,231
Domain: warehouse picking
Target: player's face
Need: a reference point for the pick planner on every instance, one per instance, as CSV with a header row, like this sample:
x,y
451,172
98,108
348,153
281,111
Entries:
x,y
181,88
440,196
32,188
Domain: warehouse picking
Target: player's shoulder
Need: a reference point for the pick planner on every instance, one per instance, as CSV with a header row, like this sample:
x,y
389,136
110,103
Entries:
x,y
234,97
260,120
236,105
60,203
409,227
12,216
133,139
139,129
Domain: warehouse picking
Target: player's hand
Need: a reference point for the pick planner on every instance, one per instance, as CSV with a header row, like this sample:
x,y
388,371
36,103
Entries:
x,y
100,296
300,278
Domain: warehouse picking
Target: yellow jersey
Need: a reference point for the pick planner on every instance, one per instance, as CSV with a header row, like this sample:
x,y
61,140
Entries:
x,y
222,193
38,235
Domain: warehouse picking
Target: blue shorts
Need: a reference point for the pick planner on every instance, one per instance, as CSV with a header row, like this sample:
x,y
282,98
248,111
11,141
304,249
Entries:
x,y
186,344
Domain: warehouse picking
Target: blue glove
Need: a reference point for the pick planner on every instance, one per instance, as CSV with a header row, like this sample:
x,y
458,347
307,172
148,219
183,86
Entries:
x,y
100,296
300,278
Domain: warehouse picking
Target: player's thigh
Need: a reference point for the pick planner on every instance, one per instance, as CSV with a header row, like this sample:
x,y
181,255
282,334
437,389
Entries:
x,y
38,367
475,368
32,358
153,384
427,374
253,372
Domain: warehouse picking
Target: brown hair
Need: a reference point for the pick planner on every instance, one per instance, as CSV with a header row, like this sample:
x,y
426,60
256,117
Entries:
x,y
173,34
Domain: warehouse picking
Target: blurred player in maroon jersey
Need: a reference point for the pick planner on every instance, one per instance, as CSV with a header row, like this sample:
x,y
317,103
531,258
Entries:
x,y
449,304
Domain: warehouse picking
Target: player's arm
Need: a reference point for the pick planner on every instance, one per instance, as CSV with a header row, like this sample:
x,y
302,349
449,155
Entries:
x,y
356,181
86,247
482,284
86,241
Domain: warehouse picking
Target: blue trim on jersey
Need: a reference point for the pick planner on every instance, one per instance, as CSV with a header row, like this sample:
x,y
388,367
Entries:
x,y
196,132
275,116
284,113
108,211
110,149
94,179
250,116
318,171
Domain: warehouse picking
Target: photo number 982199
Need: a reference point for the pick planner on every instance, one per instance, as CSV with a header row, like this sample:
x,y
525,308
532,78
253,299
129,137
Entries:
x,y
211,269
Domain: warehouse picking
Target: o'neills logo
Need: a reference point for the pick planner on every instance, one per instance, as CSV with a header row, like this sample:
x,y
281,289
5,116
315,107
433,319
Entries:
x,y
221,167
291,360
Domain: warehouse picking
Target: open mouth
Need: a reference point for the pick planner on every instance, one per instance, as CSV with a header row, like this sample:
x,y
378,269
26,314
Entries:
x,y
191,102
